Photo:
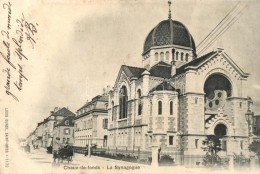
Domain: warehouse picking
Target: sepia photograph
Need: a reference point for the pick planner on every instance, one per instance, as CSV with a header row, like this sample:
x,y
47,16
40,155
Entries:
x,y
129,86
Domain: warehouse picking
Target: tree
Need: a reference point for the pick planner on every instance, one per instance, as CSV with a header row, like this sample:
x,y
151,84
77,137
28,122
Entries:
x,y
212,146
255,147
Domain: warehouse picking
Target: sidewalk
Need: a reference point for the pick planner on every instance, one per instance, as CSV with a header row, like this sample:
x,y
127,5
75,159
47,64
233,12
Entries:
x,y
82,157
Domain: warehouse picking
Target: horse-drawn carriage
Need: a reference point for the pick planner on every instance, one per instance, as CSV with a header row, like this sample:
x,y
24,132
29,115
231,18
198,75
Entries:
x,y
64,153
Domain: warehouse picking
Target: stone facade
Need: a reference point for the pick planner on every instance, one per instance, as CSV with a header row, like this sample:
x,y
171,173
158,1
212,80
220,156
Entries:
x,y
65,130
49,123
91,123
174,102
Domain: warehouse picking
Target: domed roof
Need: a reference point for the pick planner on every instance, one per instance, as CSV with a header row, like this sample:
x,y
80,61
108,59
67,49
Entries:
x,y
169,32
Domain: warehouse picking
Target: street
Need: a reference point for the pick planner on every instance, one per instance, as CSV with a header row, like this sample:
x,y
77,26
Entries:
x,y
40,159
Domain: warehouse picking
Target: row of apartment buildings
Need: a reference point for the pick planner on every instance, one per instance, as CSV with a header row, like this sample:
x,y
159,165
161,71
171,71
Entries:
x,y
60,123
88,125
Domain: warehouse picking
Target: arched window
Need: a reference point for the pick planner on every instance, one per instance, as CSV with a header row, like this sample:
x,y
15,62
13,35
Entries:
x,y
156,56
167,56
139,93
187,57
181,56
161,56
173,53
123,102
177,55
171,108
159,107
140,107
112,110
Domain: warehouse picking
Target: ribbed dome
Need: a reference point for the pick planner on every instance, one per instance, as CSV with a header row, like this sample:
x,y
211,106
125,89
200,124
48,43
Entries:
x,y
169,32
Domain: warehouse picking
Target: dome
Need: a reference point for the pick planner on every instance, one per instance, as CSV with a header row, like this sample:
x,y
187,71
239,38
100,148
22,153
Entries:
x,y
169,32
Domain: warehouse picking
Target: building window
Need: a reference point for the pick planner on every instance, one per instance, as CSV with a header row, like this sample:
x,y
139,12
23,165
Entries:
x,y
112,110
68,140
67,131
139,94
196,100
181,56
91,123
67,122
161,56
173,52
171,108
159,107
123,102
187,57
167,56
156,56
177,55
196,143
170,140
241,145
105,123
140,107
240,105
64,140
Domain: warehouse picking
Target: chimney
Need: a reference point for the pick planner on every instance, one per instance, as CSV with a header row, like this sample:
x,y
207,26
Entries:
x,y
219,50
56,109
108,88
173,68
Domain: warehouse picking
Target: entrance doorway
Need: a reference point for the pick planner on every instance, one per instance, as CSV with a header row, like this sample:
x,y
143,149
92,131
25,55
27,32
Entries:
x,y
105,141
220,130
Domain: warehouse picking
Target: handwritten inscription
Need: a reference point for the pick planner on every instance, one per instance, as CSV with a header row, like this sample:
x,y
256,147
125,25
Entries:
x,y
18,35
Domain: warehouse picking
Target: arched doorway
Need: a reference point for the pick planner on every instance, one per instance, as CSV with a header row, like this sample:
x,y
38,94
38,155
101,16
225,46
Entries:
x,y
220,130
105,141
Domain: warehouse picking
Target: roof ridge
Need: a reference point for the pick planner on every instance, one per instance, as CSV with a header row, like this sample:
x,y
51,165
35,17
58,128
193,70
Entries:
x,y
194,62
159,63
205,54
133,66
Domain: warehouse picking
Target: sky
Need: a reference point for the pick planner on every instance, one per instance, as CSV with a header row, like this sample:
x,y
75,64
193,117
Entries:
x,y
81,44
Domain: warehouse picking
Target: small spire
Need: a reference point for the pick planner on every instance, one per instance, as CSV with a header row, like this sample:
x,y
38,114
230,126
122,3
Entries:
x,y
170,15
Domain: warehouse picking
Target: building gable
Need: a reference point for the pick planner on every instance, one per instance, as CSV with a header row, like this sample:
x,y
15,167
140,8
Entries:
x,y
211,59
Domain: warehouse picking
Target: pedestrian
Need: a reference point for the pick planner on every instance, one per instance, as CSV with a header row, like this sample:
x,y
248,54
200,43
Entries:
x,y
55,149
86,152
28,148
